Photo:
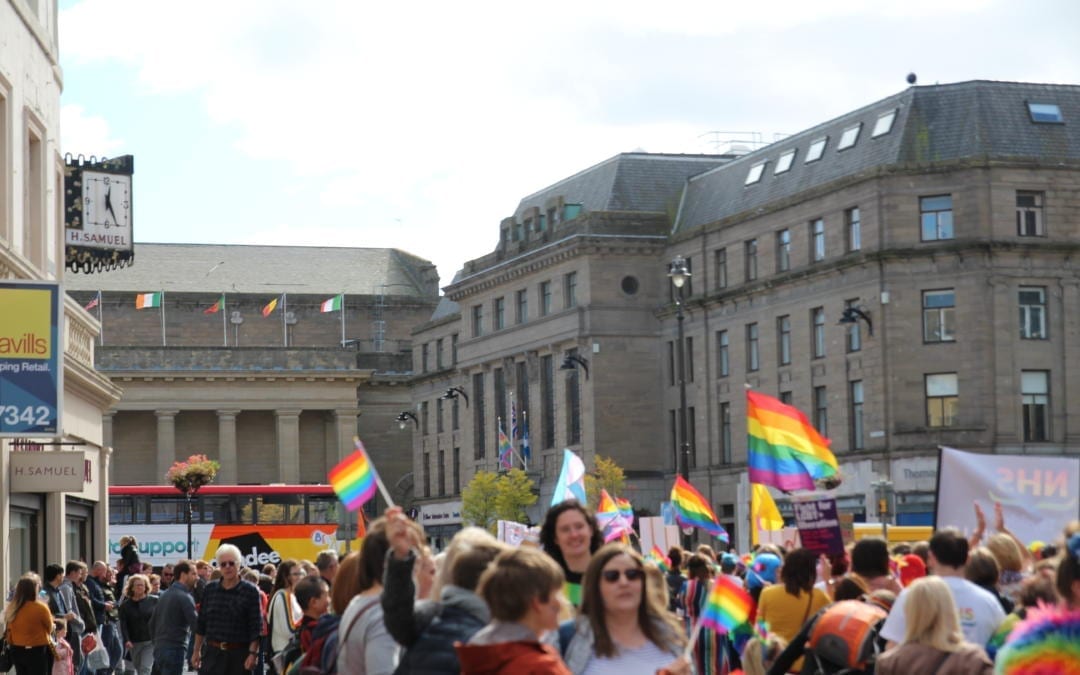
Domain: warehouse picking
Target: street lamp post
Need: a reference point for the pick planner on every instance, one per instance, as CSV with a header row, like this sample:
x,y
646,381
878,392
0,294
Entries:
x,y
883,489
678,272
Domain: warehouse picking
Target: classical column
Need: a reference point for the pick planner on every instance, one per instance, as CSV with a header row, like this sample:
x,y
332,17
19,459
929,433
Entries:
x,y
288,445
229,472
340,442
166,442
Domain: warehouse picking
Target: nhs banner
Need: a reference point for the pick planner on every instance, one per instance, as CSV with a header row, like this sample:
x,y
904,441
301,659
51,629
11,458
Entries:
x,y
1038,494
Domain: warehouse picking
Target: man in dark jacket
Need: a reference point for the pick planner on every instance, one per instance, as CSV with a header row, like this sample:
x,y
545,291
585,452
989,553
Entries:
x,y
174,620
103,602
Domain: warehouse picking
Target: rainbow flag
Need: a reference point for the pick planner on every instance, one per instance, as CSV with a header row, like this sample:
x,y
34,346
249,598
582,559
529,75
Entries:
x,y
691,509
784,449
506,451
626,509
354,478
610,518
727,607
659,559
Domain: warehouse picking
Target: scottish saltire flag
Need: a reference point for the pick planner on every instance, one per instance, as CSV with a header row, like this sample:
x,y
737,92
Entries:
x,y
571,483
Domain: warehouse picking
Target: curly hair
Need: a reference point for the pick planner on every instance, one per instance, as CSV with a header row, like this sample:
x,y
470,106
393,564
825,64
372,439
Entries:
x,y
548,538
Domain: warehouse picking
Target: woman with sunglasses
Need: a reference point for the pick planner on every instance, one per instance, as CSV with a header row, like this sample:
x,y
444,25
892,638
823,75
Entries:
x,y
622,628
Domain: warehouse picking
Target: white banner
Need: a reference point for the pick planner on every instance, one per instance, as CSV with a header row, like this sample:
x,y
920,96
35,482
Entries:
x,y
1038,494
516,533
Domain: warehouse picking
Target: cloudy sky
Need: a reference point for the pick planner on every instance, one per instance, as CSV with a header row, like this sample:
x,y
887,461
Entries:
x,y
420,125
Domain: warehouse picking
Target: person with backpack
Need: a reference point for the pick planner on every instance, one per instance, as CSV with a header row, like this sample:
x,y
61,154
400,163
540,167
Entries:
x,y
844,637
313,595
428,629
933,642
786,606
365,646
284,613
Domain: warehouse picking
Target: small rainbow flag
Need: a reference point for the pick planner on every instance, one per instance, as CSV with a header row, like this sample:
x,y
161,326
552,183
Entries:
x,y
610,518
626,509
354,478
727,607
506,450
691,509
784,449
657,557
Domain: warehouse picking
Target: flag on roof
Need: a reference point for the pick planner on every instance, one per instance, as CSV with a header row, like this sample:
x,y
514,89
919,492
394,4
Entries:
x,y
146,300
333,304
270,307
217,306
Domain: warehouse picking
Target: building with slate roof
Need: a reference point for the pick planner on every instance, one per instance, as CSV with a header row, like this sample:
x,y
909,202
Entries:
x,y
42,517
274,398
946,215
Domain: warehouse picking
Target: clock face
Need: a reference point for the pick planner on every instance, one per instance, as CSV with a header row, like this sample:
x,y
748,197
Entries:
x,y
106,201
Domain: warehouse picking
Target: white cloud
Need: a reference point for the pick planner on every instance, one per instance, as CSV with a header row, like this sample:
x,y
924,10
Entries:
x,y
86,134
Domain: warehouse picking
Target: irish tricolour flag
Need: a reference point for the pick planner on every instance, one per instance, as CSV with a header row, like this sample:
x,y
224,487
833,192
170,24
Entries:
x,y
145,300
332,305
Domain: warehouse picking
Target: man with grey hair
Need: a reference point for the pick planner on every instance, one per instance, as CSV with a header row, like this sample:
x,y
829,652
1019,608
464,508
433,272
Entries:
x,y
230,620
327,563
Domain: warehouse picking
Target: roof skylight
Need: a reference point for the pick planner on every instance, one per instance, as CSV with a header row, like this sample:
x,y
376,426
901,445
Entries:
x,y
884,123
849,137
816,149
784,163
755,173
1046,113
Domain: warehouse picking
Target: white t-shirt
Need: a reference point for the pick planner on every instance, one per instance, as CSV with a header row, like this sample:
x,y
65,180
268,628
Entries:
x,y
980,612
646,659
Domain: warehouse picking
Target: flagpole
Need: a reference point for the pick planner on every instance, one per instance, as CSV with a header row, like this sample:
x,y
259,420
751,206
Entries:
x,y
163,343
525,433
101,334
513,428
284,326
224,324
342,319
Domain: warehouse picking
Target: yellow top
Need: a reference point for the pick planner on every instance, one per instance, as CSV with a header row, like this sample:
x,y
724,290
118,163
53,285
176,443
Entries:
x,y
32,625
786,613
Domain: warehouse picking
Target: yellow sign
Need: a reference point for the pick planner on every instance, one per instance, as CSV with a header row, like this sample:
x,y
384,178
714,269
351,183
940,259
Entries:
x,y
26,328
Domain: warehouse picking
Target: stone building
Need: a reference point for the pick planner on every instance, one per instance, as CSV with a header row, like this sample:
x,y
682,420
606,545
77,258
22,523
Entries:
x,y
46,527
274,398
939,223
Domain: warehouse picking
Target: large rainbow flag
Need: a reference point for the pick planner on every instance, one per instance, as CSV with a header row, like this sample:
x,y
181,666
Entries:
x,y
354,478
784,449
727,607
692,510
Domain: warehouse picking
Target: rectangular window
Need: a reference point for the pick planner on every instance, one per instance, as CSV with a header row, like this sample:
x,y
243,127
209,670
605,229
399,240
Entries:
x,y
521,314
1033,312
720,263
884,123
573,403
821,411
455,413
545,298
723,361
547,401
479,422
856,394
939,315
1029,214
783,330
457,471
570,290
850,137
1035,393
854,329
783,250
751,259
936,216
1045,113
439,426
425,427
816,149
673,424
439,354
691,437
725,433
817,239
752,362
754,175
453,349
817,330
427,474
477,320
498,320
783,164
442,472
853,228
424,349
942,394
786,398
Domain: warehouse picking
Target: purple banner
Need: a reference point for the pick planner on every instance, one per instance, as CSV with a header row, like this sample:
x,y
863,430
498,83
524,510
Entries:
x,y
819,526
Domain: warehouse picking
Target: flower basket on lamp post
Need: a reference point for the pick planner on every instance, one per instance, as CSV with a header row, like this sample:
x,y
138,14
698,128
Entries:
x,y
189,477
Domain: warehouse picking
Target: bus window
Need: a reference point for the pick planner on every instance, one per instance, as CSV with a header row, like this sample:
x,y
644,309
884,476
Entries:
x,y
167,510
218,509
322,509
275,511
122,510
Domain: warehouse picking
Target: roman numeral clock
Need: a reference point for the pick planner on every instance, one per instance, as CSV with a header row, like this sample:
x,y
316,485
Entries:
x,y
98,213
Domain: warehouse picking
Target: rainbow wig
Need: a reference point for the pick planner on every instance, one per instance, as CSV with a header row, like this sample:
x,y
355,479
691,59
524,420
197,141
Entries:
x,y
1047,642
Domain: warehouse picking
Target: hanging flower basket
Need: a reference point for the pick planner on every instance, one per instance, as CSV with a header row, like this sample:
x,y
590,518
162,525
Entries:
x,y
188,477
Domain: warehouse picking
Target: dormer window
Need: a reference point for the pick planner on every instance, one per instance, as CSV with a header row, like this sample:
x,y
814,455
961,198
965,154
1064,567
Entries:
x,y
1045,113
849,137
755,172
816,149
783,164
884,123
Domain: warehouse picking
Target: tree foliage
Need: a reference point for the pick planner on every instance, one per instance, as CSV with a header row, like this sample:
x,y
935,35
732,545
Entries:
x,y
490,497
607,475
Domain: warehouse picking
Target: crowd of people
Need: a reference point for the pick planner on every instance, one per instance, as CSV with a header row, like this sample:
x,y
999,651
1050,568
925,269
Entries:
x,y
567,604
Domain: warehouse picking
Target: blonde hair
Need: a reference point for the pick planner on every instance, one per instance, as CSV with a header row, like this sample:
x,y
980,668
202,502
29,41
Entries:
x,y
1007,552
129,591
932,618
758,655
465,540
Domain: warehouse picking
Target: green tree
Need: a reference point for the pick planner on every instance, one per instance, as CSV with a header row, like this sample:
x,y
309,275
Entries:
x,y
607,475
515,494
478,500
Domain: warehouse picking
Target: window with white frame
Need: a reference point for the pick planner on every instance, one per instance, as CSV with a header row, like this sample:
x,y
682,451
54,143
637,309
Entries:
x,y
816,149
1033,312
1029,214
754,175
853,228
817,327
939,315
1035,393
783,164
850,137
936,217
942,399
783,250
884,123
817,239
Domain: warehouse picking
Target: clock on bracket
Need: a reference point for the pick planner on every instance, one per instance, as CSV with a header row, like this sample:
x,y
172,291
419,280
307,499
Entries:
x,y
106,201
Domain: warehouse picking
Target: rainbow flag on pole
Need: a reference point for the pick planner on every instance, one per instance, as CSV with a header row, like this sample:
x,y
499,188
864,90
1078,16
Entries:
x,y
354,478
784,449
691,509
659,559
506,450
727,607
610,519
